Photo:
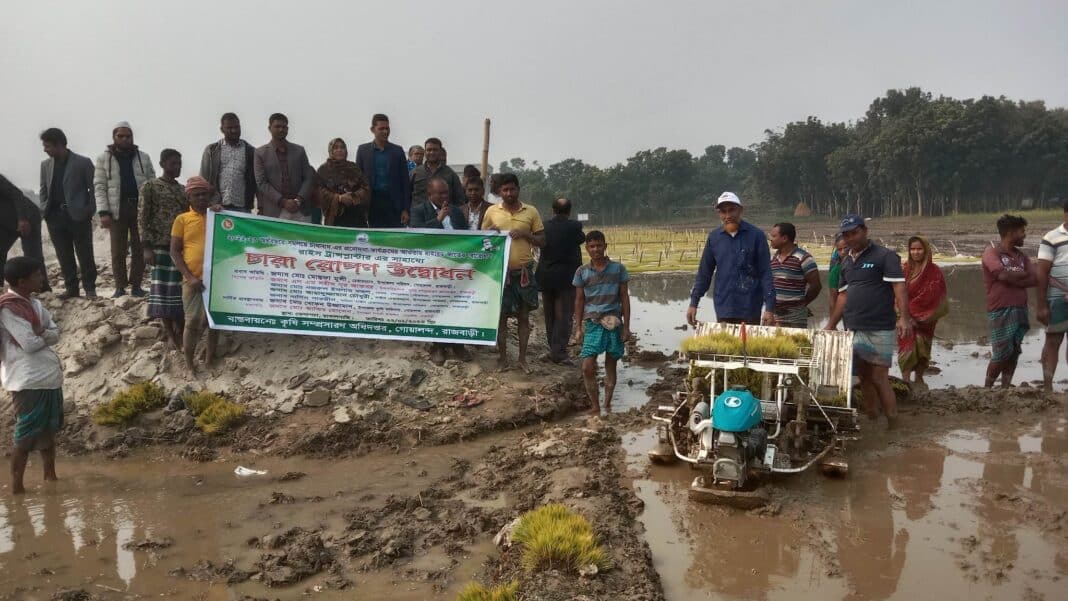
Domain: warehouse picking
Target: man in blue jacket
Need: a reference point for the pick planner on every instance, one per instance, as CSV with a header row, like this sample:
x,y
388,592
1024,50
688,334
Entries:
x,y
738,256
386,167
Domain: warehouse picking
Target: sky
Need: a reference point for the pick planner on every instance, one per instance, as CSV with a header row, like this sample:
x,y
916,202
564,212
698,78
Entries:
x,y
589,79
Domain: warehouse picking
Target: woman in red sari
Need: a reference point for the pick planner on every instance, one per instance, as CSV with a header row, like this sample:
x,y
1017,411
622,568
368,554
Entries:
x,y
927,304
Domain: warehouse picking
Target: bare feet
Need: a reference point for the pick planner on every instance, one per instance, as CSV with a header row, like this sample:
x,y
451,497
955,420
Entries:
x,y
502,364
523,366
18,489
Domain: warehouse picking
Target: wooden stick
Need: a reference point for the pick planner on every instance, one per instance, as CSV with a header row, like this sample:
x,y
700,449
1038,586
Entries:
x,y
485,150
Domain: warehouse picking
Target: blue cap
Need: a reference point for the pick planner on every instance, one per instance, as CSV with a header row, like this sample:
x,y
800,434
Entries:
x,y
850,222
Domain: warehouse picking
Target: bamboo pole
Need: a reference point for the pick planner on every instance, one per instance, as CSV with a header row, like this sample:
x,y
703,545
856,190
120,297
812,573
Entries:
x,y
485,150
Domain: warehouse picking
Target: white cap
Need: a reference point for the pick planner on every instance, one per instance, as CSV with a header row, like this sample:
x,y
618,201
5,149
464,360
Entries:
x,y
729,197
120,124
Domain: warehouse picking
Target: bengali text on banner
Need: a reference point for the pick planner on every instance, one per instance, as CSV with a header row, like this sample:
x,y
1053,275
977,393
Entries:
x,y
268,275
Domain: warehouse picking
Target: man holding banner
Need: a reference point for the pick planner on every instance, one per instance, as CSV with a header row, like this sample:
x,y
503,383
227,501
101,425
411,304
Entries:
x,y
187,252
525,228
438,213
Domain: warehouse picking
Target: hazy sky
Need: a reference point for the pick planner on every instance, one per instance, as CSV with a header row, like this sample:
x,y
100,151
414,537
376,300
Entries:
x,y
596,80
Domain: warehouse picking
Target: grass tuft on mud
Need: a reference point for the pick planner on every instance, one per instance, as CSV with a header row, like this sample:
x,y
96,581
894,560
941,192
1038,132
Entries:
x,y
214,413
128,404
554,537
476,592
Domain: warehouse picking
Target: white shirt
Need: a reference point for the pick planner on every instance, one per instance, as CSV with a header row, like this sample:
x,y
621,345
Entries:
x,y
30,363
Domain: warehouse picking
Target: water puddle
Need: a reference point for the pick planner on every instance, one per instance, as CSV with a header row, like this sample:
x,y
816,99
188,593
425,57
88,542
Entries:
x,y
971,511
75,534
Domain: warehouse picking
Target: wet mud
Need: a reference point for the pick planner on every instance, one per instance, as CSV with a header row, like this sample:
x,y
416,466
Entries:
x,y
395,503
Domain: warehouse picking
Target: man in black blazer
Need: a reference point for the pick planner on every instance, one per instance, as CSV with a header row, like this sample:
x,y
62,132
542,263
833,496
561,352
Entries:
x,y
560,258
386,168
19,218
68,202
438,212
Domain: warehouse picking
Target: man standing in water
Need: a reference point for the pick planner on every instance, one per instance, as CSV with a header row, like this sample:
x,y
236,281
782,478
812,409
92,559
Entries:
x,y
1051,298
1007,274
556,270
737,254
796,277
602,306
872,282
520,295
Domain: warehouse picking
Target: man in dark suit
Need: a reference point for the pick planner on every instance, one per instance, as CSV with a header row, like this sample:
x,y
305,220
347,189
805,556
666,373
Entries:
x,y
386,167
560,258
284,177
438,212
69,202
19,218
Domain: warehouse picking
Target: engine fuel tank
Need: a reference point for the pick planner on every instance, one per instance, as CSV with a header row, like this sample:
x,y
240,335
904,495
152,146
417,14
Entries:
x,y
736,410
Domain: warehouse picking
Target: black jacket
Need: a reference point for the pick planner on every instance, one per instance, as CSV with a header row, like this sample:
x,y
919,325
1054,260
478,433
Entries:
x,y
425,215
15,206
562,254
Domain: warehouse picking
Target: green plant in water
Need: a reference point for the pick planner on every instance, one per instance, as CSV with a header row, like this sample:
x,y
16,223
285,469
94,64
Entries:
x,y
502,592
555,537
128,404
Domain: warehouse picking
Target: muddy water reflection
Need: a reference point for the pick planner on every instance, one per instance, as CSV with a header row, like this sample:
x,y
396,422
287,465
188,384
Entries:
x,y
659,306
73,533
973,514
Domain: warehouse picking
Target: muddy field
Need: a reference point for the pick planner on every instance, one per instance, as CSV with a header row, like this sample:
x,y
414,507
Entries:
x,y
364,496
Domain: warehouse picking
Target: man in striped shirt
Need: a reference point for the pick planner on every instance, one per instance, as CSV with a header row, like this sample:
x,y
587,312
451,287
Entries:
x,y
602,306
795,276
1051,298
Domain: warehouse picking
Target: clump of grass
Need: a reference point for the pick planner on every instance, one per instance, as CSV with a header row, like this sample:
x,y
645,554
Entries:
x,y
128,404
555,537
214,412
777,346
477,592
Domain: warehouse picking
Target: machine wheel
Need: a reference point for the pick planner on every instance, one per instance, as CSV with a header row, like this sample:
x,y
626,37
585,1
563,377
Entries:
x,y
834,467
662,454
742,499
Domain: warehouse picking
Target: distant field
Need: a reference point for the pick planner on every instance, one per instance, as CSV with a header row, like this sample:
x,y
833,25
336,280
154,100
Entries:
x,y
653,249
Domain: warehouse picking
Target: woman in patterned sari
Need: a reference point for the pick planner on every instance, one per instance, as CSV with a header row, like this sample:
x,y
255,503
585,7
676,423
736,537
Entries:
x,y
927,304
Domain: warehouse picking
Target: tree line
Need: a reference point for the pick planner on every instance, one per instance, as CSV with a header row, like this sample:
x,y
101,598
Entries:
x,y
910,155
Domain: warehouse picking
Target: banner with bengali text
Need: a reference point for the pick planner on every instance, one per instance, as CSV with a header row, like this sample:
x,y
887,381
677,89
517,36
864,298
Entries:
x,y
268,275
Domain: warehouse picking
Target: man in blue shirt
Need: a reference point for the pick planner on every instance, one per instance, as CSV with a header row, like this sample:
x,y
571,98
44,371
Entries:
x,y
737,253
386,166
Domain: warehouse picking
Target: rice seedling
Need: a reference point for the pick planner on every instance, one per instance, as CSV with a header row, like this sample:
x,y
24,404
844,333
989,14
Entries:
x,y
128,404
778,346
214,412
554,537
501,592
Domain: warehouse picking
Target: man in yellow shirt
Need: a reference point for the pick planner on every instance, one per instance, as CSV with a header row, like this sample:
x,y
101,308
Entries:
x,y
524,227
187,251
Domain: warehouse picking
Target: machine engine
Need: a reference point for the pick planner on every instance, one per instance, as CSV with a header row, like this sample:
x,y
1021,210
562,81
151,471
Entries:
x,y
732,436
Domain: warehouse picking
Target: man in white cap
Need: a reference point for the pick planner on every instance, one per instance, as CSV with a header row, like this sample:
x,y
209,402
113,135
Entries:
x,y
737,257
120,172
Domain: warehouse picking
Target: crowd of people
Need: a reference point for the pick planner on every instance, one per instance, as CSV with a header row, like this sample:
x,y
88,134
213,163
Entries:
x,y
154,221
891,306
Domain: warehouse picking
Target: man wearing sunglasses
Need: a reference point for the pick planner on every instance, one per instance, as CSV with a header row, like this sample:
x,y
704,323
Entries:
x,y
737,257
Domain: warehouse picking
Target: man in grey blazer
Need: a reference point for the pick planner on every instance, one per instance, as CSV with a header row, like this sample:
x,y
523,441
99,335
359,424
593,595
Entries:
x,y
284,177
19,219
68,203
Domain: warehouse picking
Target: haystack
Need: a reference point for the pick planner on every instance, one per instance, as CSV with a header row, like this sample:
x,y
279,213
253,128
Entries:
x,y
802,210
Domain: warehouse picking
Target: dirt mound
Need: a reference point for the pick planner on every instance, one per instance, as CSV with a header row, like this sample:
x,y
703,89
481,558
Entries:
x,y
580,467
291,557
975,399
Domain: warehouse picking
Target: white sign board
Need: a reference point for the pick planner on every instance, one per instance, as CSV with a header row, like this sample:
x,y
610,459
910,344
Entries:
x,y
583,216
